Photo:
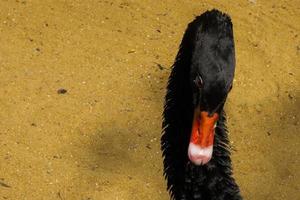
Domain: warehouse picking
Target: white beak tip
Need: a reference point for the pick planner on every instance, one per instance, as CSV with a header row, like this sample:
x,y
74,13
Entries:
x,y
199,155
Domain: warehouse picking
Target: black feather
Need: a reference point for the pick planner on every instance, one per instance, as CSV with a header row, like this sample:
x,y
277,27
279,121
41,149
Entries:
x,y
186,181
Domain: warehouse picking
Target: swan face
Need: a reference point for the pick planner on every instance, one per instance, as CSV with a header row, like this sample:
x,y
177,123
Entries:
x,y
208,103
211,80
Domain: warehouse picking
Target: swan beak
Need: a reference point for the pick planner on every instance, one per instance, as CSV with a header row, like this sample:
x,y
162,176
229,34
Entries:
x,y
202,137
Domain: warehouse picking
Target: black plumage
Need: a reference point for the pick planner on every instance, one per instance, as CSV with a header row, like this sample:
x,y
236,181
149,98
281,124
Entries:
x,y
207,47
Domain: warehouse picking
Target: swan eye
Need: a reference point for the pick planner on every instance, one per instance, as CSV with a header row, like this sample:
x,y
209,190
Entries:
x,y
198,81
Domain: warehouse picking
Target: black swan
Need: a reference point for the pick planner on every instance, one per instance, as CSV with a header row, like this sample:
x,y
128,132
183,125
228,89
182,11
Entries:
x,y
194,141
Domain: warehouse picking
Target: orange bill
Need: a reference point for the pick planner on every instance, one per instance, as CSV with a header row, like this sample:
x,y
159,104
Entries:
x,y
203,128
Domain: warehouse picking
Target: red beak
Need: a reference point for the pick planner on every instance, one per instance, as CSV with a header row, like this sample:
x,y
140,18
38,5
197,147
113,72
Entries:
x,y
202,137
